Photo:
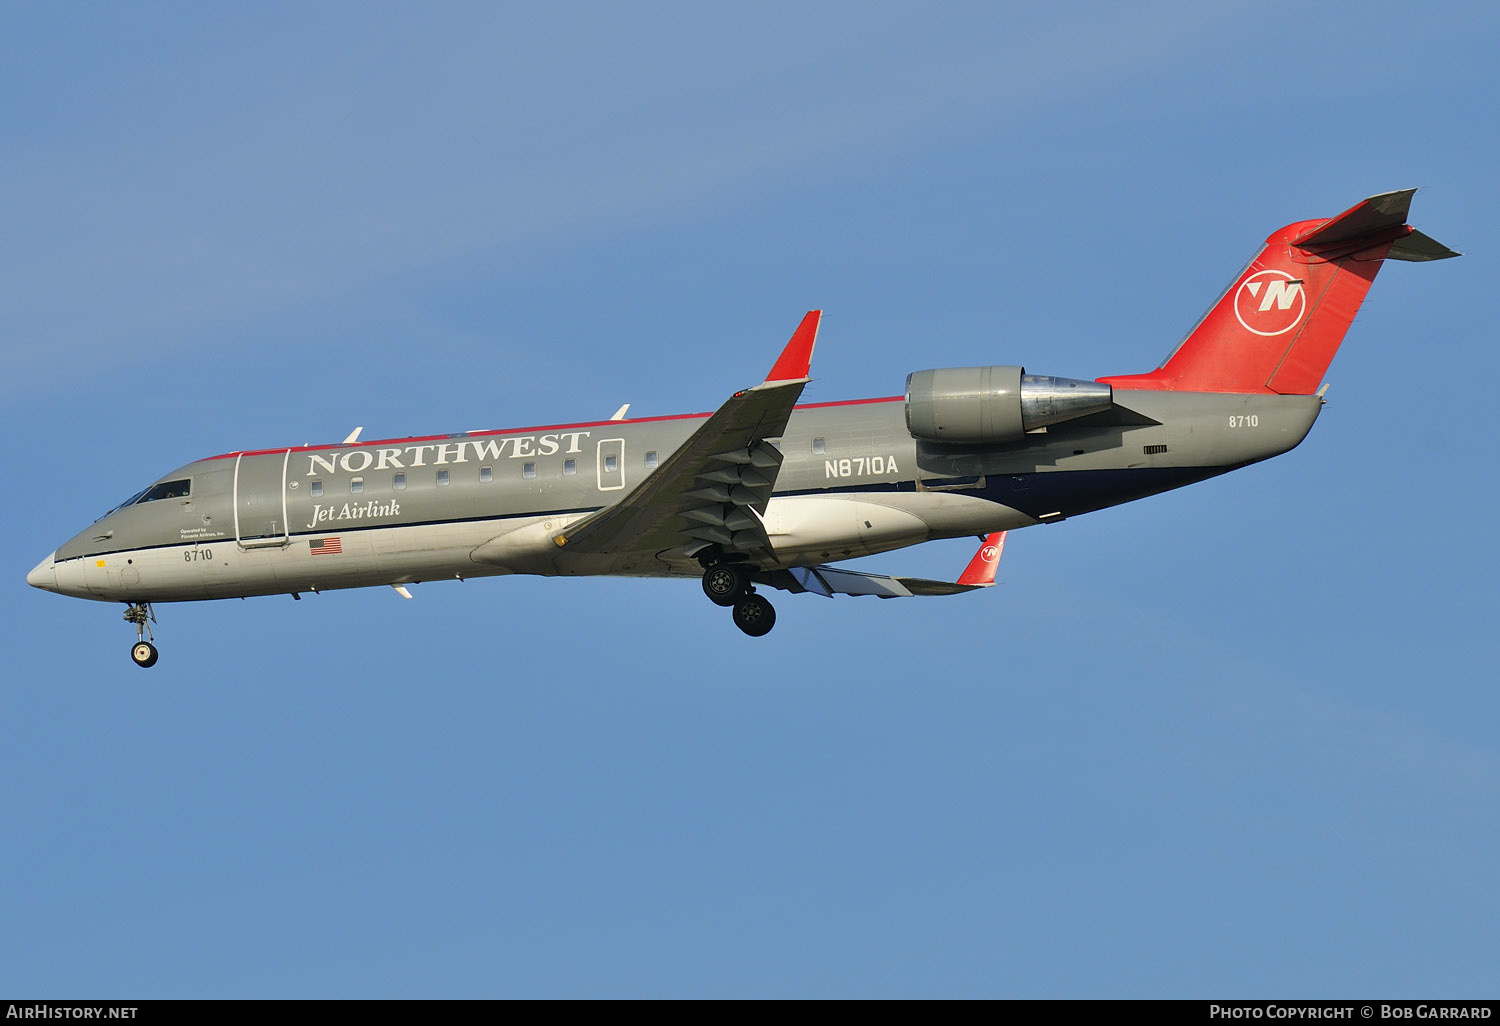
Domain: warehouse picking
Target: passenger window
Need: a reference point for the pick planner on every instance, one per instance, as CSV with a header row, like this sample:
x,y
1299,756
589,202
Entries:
x,y
611,464
442,479
570,467
399,482
651,460
819,447
528,471
486,474
357,485
316,489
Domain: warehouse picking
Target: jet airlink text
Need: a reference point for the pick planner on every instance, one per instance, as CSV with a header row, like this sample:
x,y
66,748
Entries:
x,y
437,454
353,511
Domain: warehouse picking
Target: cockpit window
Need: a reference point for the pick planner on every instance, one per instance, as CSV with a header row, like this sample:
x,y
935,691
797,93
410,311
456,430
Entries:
x,y
166,490
128,502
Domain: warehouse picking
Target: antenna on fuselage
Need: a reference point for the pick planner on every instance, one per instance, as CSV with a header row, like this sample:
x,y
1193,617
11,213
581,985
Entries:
x,y
620,413
353,436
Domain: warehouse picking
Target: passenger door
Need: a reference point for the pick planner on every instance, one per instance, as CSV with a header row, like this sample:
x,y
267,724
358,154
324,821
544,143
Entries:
x,y
260,514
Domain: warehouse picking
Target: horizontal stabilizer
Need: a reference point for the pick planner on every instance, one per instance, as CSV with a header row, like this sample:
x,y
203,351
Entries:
x,y
1368,217
1419,247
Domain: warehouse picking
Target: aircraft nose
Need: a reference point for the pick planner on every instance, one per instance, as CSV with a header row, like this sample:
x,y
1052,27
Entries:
x,y
44,575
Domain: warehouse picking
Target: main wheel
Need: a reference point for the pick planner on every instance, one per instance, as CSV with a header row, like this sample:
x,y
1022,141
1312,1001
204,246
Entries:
x,y
725,583
144,654
754,615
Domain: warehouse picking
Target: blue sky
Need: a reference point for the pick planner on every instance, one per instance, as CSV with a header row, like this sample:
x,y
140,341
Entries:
x,y
1235,740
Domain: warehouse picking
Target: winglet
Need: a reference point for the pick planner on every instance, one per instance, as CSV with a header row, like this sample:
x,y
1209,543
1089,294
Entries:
x,y
980,573
796,359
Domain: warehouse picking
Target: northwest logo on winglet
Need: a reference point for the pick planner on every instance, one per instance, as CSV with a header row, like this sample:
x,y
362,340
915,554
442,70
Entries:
x,y
1270,303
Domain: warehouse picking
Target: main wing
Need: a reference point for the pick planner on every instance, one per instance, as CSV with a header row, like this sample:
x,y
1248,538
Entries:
x,y
829,581
714,489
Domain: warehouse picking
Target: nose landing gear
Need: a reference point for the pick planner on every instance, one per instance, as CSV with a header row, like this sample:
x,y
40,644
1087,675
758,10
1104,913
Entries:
x,y
143,652
728,584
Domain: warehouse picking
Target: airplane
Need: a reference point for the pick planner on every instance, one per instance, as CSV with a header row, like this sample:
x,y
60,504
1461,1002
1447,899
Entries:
x,y
762,493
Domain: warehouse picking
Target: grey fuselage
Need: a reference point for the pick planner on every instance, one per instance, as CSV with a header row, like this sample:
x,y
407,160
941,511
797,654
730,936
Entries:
x,y
854,481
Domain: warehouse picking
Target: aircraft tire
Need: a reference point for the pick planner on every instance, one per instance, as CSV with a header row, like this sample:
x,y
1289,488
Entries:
x,y
725,584
754,615
144,653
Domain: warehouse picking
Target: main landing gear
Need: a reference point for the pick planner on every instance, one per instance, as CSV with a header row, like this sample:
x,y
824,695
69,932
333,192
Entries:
x,y
754,615
728,584
143,651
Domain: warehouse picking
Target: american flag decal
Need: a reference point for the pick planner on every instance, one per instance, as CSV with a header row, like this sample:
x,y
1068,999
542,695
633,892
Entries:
x,y
324,546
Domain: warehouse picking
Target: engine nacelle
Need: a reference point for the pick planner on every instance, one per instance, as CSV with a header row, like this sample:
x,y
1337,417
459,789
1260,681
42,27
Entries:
x,y
994,405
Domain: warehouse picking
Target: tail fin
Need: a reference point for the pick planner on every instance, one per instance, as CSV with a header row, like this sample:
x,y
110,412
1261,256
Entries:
x,y
1278,325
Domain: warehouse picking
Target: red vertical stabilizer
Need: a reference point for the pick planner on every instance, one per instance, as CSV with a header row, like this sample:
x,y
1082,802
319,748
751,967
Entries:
x,y
1276,328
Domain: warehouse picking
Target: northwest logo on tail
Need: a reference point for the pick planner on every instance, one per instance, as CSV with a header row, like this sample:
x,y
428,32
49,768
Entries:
x,y
1270,303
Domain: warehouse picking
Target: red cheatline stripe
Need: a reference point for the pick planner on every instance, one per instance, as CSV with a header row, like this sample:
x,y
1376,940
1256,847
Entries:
x,y
540,429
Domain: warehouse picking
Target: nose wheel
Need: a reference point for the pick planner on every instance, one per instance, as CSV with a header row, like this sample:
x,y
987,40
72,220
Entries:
x,y
143,652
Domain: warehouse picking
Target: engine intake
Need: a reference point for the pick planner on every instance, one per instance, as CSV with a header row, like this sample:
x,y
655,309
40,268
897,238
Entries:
x,y
994,405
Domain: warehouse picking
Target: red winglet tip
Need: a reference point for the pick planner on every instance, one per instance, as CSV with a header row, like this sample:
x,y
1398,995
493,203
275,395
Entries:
x,y
981,569
796,359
